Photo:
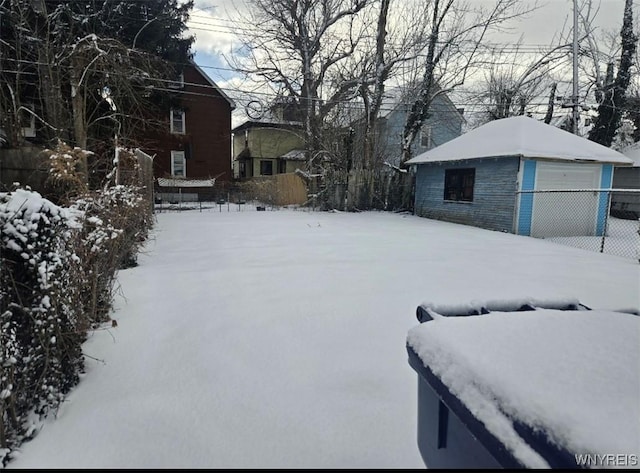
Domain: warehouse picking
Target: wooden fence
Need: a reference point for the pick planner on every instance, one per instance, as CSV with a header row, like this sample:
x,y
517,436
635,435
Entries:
x,y
277,190
291,189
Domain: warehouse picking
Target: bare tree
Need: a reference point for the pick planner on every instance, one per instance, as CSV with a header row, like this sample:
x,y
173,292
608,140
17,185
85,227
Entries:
x,y
22,57
456,38
295,44
399,35
512,87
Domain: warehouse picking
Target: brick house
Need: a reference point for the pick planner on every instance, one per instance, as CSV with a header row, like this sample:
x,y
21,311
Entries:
x,y
197,142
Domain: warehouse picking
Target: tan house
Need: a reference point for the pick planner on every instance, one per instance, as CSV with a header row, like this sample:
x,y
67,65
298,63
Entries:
x,y
267,148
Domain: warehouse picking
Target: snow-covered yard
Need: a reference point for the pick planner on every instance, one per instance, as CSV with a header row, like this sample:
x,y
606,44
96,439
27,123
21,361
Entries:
x,y
622,239
277,339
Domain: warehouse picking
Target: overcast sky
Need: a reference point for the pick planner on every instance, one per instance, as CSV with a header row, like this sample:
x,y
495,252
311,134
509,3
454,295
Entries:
x,y
212,22
214,28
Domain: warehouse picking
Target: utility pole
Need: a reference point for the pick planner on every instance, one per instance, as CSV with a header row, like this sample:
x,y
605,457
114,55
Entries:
x,y
574,101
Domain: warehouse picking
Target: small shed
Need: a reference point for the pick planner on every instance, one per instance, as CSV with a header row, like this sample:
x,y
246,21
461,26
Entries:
x,y
627,204
488,178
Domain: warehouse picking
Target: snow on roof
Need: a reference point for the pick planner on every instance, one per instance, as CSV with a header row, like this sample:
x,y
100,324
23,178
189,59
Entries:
x,y
575,375
177,182
295,155
633,152
267,122
521,136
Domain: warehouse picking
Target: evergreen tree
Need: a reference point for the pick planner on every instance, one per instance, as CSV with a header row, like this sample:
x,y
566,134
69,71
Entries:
x,y
614,97
153,26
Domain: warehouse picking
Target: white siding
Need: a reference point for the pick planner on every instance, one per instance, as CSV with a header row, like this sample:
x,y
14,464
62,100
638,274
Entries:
x,y
565,214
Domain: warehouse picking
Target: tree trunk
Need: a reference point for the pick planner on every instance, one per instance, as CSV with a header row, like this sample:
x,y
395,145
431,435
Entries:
x,y
78,100
552,97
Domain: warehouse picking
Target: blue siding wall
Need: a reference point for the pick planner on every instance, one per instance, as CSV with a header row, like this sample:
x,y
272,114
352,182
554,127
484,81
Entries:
x,y
444,120
606,179
525,215
494,193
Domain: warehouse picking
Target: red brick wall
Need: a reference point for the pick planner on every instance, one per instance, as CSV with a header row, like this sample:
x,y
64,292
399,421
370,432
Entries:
x,y
207,137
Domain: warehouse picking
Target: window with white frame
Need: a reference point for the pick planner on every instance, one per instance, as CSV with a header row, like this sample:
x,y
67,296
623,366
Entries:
x,y
177,121
425,137
178,83
178,164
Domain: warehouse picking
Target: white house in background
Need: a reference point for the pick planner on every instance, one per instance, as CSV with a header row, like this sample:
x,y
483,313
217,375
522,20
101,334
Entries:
x,y
478,178
627,204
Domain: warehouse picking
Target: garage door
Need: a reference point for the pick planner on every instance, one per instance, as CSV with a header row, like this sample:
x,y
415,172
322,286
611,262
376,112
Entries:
x,y
563,214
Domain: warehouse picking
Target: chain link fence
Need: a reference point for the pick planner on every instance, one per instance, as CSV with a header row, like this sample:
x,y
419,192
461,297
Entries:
x,y
589,219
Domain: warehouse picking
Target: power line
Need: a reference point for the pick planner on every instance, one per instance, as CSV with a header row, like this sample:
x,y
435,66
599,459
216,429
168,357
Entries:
x,y
237,93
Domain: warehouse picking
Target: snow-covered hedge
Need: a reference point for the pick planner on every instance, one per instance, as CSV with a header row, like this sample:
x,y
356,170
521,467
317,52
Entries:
x,y
115,223
58,268
40,354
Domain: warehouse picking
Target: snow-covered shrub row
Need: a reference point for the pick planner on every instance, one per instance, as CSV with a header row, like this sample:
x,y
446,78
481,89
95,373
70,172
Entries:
x,y
116,222
40,354
58,268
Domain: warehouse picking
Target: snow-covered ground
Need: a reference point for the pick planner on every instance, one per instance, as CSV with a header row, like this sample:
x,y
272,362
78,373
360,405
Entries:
x,y
622,239
277,339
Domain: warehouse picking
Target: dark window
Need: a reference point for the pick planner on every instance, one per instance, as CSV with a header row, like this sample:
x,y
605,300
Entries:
x,y
266,167
425,137
282,166
458,184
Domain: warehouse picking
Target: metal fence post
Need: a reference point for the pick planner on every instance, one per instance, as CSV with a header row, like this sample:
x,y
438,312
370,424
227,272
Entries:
x,y
606,222
638,247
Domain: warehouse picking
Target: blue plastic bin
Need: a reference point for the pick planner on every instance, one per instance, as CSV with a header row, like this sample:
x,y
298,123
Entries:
x,y
450,436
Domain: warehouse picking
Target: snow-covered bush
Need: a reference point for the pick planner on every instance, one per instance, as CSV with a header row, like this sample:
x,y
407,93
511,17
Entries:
x,y
58,268
41,357
261,190
116,222
67,173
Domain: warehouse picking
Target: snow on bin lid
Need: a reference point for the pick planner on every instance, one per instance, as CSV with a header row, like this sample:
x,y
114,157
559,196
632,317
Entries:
x,y
574,374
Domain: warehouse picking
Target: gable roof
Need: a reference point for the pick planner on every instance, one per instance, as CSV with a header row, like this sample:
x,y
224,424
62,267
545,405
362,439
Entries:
x,y
213,84
395,98
521,136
